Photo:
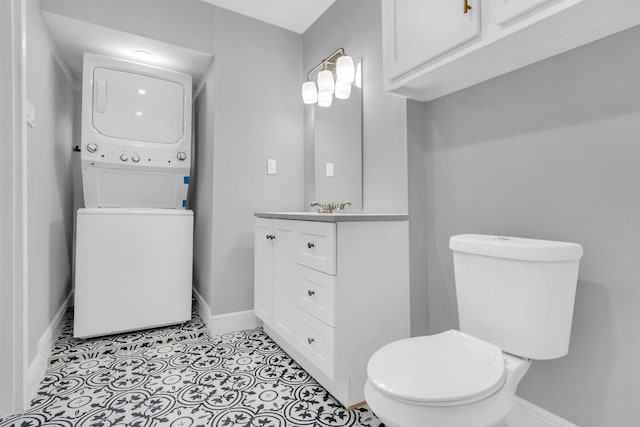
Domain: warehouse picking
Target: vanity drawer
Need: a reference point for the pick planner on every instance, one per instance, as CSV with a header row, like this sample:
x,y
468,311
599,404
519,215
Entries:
x,y
317,246
316,294
314,340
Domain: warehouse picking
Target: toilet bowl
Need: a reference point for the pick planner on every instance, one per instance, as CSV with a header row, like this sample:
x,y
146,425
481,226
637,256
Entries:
x,y
446,380
515,303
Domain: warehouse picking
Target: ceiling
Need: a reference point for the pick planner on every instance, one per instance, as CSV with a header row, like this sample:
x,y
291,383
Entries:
x,y
294,15
74,37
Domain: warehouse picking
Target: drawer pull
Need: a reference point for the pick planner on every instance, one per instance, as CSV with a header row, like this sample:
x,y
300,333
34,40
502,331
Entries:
x,y
310,340
467,6
270,236
310,245
310,293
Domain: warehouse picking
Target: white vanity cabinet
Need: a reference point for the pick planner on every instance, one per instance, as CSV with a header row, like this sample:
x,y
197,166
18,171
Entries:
x,y
274,274
432,48
337,289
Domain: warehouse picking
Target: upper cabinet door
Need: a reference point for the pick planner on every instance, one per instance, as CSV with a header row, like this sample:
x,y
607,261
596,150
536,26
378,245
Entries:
x,y
505,11
417,31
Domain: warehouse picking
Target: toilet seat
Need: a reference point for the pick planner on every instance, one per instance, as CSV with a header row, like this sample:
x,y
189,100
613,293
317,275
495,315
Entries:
x,y
450,368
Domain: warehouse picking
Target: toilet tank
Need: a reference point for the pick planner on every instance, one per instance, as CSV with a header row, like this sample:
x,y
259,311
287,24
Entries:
x,y
516,293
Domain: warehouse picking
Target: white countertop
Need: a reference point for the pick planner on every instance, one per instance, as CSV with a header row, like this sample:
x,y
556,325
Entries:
x,y
334,217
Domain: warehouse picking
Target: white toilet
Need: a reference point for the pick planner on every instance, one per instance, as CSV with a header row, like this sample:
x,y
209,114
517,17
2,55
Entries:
x,y
515,303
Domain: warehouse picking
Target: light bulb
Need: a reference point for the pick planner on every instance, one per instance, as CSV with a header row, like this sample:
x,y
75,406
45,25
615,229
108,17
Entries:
x,y
344,69
309,92
325,82
343,90
325,99
359,75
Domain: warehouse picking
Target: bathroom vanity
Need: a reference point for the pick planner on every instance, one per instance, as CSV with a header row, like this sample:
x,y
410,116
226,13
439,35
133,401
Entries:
x,y
331,289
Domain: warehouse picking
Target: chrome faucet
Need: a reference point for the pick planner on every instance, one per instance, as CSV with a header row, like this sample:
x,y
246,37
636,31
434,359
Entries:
x,y
329,207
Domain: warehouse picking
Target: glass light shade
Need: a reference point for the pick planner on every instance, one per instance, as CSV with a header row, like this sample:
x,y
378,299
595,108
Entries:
x,y
345,71
359,75
309,92
325,82
343,90
325,99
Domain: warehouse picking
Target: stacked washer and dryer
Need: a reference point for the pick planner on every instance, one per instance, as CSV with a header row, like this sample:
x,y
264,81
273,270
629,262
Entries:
x,y
134,238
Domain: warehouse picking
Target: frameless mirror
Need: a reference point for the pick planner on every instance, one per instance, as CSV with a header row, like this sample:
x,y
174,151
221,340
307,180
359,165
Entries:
x,y
337,149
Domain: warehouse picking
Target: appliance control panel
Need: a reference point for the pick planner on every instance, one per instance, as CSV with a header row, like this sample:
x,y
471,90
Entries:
x,y
178,156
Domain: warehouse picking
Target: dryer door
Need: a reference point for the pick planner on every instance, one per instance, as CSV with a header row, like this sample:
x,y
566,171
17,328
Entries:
x,y
137,107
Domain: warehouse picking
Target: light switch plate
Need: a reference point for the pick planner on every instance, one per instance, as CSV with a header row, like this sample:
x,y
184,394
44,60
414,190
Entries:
x,y
31,114
329,169
271,167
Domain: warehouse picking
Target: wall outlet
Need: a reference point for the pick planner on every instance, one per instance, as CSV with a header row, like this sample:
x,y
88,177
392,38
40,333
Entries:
x,y
329,169
31,114
271,167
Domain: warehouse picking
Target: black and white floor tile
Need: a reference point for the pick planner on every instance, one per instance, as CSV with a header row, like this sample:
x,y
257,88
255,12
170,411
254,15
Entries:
x,y
239,379
67,348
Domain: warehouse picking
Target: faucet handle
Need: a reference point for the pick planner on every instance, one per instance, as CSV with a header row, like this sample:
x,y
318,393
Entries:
x,y
322,208
344,205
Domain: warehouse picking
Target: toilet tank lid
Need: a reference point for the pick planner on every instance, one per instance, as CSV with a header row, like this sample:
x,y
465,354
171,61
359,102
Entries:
x,y
516,248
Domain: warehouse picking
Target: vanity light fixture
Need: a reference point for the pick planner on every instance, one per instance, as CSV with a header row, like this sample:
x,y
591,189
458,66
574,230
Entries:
x,y
309,92
337,63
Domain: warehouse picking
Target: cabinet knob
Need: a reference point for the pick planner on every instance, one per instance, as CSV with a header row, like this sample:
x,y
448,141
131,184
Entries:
x,y
270,237
310,245
310,340
467,6
311,293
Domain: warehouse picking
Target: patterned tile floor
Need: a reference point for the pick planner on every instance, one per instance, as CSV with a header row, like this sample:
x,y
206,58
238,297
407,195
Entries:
x,y
67,348
239,379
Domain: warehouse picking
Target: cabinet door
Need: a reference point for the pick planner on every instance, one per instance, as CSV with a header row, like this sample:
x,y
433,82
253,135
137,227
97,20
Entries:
x,y
284,277
505,11
417,31
263,269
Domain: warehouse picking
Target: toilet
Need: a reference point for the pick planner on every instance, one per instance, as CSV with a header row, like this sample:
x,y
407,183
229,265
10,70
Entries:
x,y
515,304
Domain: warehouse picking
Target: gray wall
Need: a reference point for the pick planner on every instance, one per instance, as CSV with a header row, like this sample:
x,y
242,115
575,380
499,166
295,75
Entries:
x,y
257,115
49,180
7,314
550,151
201,188
356,26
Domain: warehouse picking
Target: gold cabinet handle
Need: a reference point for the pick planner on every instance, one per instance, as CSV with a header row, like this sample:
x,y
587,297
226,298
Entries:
x,y
467,6
310,340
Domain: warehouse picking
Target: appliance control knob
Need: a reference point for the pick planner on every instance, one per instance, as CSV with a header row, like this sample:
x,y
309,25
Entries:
x,y
181,156
92,148
135,158
124,157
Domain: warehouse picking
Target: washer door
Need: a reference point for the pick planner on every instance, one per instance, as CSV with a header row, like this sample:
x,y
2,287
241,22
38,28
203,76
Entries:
x,y
137,107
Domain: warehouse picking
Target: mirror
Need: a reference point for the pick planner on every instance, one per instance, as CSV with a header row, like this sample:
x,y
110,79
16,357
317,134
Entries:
x,y
337,146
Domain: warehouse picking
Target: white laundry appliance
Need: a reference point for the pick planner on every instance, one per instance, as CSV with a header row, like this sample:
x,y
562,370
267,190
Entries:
x,y
134,238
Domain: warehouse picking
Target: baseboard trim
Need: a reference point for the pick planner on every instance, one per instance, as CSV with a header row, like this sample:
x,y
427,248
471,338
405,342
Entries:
x,y
38,366
203,308
526,414
224,323
230,322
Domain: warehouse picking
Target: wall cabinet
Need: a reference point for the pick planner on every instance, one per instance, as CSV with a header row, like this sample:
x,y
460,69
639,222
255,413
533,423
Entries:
x,y
425,29
331,293
432,48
